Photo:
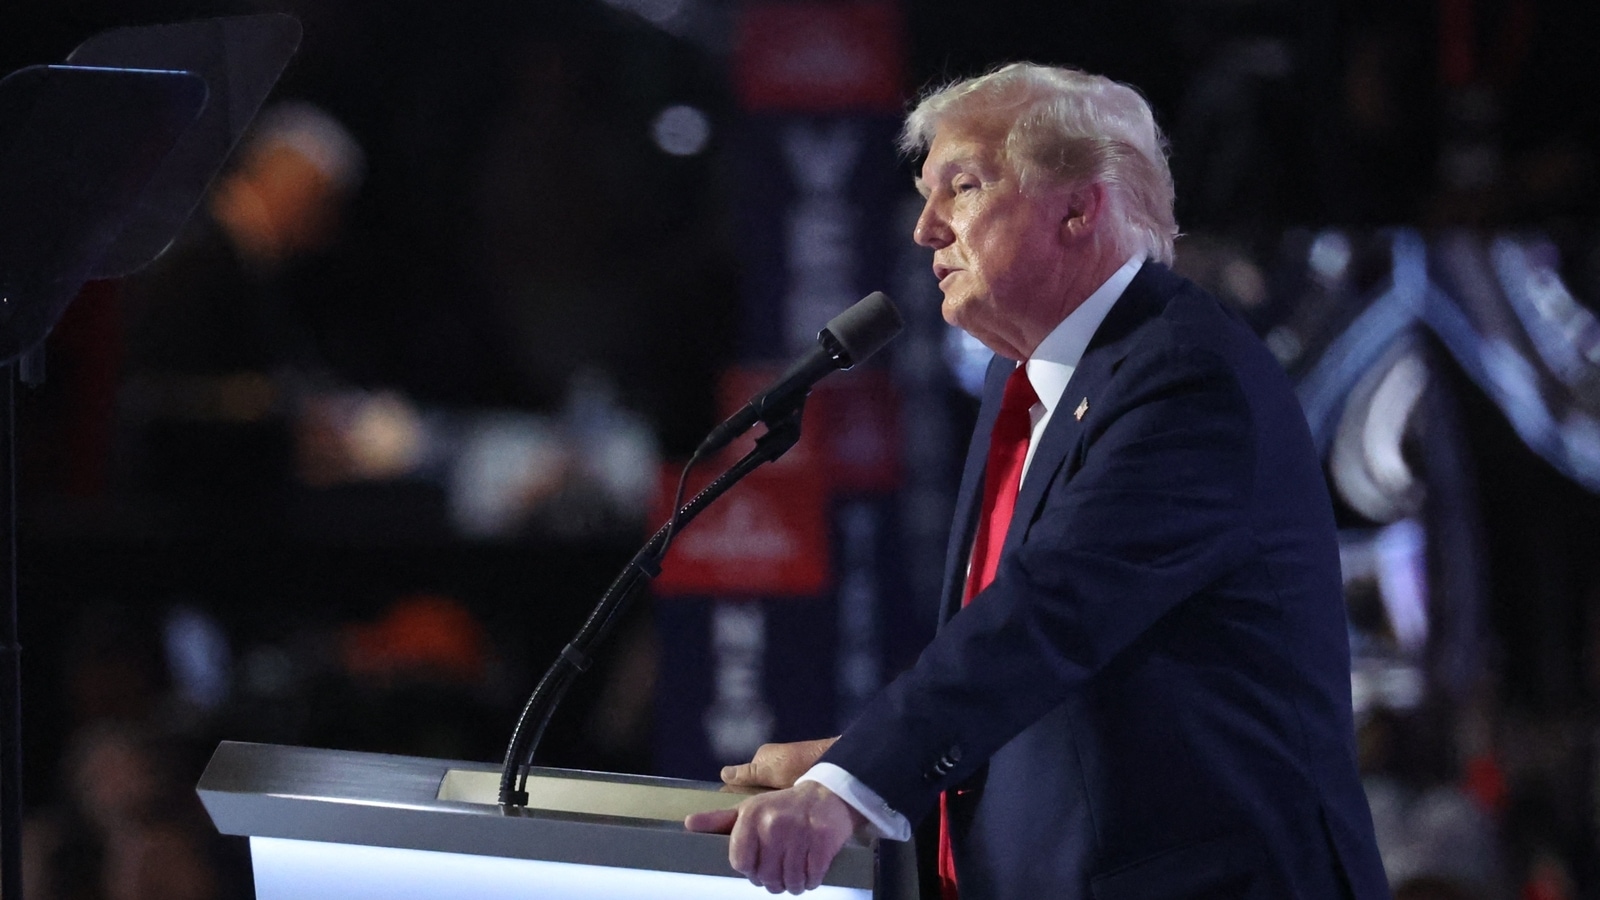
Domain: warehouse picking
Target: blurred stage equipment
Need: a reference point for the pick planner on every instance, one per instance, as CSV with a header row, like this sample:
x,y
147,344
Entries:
x,y
1499,310
101,163
1370,335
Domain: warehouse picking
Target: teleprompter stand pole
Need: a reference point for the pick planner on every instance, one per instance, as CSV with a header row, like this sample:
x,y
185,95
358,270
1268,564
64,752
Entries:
x,y
10,652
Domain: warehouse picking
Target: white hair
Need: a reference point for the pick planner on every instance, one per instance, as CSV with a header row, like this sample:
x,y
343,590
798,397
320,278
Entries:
x,y
1070,127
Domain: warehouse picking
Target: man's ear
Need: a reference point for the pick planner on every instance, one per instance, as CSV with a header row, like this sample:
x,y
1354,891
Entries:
x,y
1085,204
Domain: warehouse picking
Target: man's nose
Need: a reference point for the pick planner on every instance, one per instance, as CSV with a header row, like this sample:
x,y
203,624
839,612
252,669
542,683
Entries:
x,y
932,230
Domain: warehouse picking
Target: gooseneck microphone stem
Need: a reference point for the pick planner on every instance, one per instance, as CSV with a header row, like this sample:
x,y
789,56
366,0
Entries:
x,y
848,338
781,435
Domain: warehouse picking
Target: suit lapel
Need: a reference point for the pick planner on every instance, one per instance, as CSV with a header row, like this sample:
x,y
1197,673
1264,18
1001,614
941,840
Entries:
x,y
1142,301
970,495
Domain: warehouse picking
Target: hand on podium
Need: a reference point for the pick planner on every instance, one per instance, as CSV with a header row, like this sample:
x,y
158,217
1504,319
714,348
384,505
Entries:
x,y
777,765
785,840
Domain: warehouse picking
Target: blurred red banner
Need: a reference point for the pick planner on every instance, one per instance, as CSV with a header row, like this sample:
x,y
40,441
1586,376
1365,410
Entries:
x,y
820,57
770,535
767,537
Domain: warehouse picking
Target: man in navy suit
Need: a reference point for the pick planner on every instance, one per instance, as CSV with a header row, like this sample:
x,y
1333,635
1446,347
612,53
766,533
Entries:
x,y
1140,686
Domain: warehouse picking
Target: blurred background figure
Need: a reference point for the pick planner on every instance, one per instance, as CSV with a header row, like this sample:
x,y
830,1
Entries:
x,y
130,828
219,357
125,822
287,195
239,386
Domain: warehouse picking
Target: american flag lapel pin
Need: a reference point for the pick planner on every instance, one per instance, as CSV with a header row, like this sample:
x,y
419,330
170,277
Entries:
x,y
1083,407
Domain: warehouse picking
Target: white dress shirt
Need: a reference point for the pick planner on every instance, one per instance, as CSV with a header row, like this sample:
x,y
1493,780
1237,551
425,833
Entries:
x,y
1049,369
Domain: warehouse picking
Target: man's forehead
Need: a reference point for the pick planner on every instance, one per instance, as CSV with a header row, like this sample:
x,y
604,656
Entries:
x,y
959,150
966,143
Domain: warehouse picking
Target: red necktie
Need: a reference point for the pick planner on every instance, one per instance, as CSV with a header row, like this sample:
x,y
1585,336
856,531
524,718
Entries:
x,y
1008,450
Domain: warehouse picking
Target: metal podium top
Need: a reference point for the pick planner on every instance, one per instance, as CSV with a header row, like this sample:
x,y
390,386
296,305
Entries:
x,y
412,803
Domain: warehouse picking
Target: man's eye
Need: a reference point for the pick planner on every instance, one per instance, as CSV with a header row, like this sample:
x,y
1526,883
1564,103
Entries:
x,y
966,184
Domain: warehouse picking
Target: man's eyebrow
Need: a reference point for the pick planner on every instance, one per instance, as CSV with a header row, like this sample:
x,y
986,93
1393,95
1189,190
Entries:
x,y
966,161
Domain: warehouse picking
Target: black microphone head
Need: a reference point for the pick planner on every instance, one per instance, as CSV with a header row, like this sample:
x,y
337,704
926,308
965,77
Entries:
x,y
861,330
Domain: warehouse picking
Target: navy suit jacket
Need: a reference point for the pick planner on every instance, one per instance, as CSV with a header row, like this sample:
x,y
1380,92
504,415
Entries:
x,y
1152,700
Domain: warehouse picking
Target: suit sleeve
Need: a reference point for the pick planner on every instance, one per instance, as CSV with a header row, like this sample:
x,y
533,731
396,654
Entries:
x,y
1154,513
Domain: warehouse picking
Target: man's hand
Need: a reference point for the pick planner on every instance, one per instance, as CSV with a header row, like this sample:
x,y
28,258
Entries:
x,y
777,765
785,840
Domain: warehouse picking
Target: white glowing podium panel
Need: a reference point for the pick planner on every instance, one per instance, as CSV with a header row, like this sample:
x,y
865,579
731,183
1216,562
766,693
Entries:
x,y
366,826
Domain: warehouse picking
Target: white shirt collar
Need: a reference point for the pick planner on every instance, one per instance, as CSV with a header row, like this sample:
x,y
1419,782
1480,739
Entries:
x,y
1054,360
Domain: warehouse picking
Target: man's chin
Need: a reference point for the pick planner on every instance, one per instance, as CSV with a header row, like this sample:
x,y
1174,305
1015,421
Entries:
x,y
994,344
957,311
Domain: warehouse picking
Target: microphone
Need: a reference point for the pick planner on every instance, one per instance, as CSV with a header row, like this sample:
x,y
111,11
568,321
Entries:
x,y
847,339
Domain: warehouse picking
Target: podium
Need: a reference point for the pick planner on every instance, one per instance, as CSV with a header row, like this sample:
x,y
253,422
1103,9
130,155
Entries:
x,y
365,826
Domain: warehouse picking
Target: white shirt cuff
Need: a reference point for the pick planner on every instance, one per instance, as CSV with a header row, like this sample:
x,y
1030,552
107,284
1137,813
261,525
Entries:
x,y
888,823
